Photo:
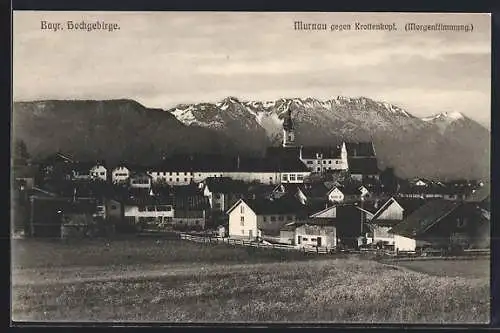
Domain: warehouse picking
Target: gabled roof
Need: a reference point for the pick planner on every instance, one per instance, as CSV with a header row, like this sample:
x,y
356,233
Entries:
x,y
310,152
314,190
144,200
351,189
360,149
363,165
283,152
261,206
425,217
195,202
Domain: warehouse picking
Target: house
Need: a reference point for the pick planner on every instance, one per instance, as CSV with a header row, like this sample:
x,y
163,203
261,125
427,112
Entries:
x,y
223,192
309,193
335,194
47,211
120,175
392,212
140,179
442,224
350,221
352,192
363,169
261,218
190,211
55,167
148,210
285,189
24,175
323,159
310,232
99,172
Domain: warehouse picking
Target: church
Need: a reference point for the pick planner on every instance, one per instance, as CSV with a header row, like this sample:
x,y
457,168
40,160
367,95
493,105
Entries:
x,y
357,158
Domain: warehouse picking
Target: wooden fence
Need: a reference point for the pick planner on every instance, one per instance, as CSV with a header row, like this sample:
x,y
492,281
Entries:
x,y
243,242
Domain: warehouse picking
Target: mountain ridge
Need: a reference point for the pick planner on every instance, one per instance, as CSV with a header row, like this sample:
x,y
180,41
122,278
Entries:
x,y
128,128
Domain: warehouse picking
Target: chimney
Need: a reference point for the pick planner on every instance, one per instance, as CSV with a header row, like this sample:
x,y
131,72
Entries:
x,y
74,194
375,205
238,163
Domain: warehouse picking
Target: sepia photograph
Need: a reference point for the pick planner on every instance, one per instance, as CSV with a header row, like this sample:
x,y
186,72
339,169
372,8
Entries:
x,y
250,167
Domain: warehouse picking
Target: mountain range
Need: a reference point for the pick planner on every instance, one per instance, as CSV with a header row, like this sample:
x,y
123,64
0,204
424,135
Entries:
x,y
447,145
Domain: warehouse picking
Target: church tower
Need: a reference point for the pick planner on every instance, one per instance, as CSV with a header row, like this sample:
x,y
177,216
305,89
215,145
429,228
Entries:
x,y
288,131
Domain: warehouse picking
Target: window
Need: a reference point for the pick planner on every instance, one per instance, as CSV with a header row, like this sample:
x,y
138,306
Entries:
x,y
324,162
289,218
185,173
170,179
309,162
170,174
300,177
150,208
197,222
142,208
329,162
176,173
319,169
281,218
161,208
304,239
265,218
113,206
177,179
313,239
337,162
242,220
242,209
185,179
292,178
273,218
168,208
285,178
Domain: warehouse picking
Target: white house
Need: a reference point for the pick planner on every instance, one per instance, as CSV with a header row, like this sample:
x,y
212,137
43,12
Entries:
x,y
323,159
120,175
391,213
98,172
335,195
310,233
261,217
140,180
148,210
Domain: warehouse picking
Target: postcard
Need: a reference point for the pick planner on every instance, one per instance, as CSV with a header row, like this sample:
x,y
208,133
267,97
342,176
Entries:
x,y
251,167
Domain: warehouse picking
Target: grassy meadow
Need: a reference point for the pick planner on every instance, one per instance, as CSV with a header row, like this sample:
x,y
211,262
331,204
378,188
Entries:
x,y
179,281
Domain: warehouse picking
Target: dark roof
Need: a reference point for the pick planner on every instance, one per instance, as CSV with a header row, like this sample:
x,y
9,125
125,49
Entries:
x,y
225,185
282,152
309,222
350,189
148,200
363,165
424,217
194,202
82,166
314,190
408,205
222,163
361,149
310,152
284,205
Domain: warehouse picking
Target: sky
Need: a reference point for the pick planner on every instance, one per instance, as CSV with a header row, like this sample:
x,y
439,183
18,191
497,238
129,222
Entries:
x,y
162,59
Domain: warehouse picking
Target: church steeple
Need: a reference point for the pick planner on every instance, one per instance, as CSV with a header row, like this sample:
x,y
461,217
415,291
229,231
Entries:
x,y
288,130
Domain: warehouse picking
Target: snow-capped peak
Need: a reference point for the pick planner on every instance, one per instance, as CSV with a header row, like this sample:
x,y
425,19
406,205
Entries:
x,y
449,116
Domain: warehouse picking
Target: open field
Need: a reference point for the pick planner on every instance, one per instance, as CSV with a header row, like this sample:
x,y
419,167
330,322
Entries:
x,y
140,280
474,267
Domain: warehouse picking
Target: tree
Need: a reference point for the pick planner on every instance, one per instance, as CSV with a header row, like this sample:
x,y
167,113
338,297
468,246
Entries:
x,y
389,180
20,153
